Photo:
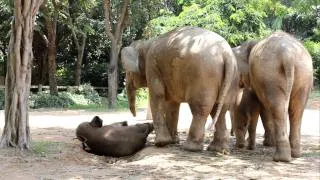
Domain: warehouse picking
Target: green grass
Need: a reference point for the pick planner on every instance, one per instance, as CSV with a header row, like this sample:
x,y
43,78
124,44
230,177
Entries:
x,y
44,148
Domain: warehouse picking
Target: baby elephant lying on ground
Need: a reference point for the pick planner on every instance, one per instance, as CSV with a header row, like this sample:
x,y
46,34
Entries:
x,y
116,139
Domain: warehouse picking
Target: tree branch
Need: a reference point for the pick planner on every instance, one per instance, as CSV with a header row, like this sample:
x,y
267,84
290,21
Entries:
x,y
107,9
122,20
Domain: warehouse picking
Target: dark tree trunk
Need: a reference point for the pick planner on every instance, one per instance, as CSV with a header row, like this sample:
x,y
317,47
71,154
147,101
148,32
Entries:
x,y
80,50
16,131
51,25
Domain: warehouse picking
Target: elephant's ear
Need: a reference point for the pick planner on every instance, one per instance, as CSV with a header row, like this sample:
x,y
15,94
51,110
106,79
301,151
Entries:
x,y
96,122
250,45
130,59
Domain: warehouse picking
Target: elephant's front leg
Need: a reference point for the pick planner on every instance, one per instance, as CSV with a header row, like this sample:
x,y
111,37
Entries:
x,y
158,109
220,141
196,132
172,116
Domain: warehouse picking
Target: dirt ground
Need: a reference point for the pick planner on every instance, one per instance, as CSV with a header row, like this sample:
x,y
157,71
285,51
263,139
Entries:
x,y
55,154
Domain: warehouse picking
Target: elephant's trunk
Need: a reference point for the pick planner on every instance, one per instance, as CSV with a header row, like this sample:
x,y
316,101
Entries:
x,y
132,99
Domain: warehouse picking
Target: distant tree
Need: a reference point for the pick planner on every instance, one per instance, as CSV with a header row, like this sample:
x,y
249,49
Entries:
x,y
16,131
50,12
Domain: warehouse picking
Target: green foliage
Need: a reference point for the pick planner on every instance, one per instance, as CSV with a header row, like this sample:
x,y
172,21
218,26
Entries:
x,y
141,98
235,20
314,49
46,100
2,99
90,95
82,96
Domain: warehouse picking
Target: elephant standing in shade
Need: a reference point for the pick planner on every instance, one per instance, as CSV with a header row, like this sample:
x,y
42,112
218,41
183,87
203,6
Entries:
x,y
117,139
244,116
190,65
279,70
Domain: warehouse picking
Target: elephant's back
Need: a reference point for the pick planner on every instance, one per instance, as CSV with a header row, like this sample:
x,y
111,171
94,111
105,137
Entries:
x,y
190,55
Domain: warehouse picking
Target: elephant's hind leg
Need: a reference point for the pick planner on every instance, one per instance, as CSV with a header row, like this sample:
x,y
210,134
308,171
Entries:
x,y
172,116
279,116
196,132
296,108
220,139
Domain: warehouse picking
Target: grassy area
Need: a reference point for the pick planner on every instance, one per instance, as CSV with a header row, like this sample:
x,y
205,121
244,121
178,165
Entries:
x,y
44,148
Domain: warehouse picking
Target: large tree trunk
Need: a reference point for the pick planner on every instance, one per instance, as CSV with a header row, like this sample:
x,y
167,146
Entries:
x,y
116,43
51,25
16,131
113,76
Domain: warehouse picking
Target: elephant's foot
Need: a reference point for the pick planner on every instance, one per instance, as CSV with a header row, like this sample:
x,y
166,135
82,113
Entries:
x,y
283,153
295,152
251,144
219,146
162,140
240,144
268,140
192,146
176,139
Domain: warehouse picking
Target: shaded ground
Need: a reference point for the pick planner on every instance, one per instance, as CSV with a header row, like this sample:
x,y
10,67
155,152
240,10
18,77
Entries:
x,y
56,154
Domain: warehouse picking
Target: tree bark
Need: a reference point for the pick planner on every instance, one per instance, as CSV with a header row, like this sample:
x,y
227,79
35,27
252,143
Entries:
x,y
116,43
51,25
80,50
16,131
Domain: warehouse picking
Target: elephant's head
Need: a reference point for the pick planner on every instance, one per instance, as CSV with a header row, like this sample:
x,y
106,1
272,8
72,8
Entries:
x,y
242,54
85,128
133,60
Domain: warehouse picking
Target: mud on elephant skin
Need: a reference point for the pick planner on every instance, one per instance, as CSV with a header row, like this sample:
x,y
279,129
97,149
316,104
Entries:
x,y
188,64
117,139
279,70
244,116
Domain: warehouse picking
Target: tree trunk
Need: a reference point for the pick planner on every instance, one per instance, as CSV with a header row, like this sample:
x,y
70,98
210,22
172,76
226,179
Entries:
x,y
51,25
113,76
116,43
16,131
80,49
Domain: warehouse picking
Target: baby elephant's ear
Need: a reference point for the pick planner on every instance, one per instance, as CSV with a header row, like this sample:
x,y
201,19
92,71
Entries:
x,y
96,122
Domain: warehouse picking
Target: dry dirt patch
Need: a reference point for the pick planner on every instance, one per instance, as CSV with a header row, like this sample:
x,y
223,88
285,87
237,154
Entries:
x,y
56,155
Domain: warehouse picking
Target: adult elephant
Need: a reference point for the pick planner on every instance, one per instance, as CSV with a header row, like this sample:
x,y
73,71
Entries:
x,y
279,70
190,65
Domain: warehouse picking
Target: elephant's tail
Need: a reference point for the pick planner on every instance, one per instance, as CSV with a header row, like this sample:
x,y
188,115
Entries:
x,y
289,75
230,70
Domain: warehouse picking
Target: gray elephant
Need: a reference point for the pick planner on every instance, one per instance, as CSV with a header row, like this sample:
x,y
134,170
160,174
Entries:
x,y
190,65
279,70
244,116
115,140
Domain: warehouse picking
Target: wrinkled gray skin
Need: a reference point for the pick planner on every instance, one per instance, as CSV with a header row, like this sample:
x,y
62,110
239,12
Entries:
x,y
244,116
115,140
279,70
190,65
